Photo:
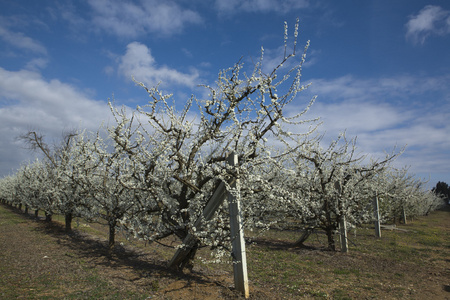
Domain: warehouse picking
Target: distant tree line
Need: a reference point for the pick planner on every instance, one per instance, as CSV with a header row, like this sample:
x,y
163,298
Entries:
x,y
443,190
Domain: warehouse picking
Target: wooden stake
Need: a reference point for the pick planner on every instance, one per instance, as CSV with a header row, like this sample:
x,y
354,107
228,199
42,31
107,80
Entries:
x,y
376,213
404,214
236,227
237,238
343,236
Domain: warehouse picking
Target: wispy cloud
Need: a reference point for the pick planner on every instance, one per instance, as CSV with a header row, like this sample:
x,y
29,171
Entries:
x,y
236,6
21,41
431,20
135,18
378,89
138,62
385,112
36,64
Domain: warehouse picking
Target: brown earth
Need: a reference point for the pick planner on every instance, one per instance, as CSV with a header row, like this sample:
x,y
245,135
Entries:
x,y
38,260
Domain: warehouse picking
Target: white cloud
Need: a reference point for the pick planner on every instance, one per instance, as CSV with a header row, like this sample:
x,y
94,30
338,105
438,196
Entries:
x,y
236,6
358,116
139,63
58,101
385,112
431,20
378,89
36,63
134,18
21,41
29,102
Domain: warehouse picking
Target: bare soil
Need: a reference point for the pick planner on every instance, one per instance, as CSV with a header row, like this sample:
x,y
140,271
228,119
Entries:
x,y
38,260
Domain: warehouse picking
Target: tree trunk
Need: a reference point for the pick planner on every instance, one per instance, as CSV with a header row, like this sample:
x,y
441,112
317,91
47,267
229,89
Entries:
x,y
330,236
304,237
112,236
184,256
48,217
26,209
187,261
36,213
68,219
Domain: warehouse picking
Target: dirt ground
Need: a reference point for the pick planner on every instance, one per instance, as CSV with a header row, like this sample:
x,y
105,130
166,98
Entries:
x,y
40,261
35,254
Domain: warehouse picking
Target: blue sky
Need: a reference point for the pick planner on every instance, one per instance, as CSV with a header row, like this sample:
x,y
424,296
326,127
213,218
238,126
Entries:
x,y
380,69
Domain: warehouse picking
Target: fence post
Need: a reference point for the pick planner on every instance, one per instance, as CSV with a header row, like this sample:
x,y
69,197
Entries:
x,y
404,214
376,212
343,235
342,224
236,228
237,237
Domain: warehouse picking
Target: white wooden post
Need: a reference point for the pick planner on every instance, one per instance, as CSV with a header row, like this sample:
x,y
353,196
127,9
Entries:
x,y
343,235
404,214
376,212
236,227
237,238
342,223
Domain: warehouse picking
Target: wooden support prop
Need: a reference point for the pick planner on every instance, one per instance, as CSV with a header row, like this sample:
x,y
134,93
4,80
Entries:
x,y
343,235
237,232
404,214
237,238
376,212
342,223
208,212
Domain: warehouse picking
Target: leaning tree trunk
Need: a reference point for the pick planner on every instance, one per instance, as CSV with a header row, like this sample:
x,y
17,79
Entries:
x,y
304,237
186,261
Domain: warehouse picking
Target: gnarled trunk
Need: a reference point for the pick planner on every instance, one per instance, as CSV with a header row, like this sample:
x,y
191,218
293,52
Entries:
x,y
186,260
304,237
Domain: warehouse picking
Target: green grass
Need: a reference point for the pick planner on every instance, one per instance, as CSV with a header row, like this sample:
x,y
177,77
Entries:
x,y
9,218
397,265
34,278
346,272
339,294
306,275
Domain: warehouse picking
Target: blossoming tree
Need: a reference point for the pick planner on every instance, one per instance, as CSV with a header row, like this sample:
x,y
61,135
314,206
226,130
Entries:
x,y
179,158
332,185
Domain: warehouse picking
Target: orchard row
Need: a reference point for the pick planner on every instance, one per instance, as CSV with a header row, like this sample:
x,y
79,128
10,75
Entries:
x,y
154,170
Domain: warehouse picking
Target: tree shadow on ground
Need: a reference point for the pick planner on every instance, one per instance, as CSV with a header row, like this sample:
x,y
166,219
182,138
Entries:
x,y
283,245
127,263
